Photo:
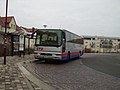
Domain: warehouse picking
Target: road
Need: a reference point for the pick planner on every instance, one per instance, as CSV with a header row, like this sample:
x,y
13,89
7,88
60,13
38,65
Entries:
x,y
96,72
106,63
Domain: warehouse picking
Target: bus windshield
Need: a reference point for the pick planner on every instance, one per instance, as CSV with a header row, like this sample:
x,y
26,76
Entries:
x,y
48,37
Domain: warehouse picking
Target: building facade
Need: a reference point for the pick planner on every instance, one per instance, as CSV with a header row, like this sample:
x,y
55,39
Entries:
x,y
11,27
13,32
29,41
11,24
99,44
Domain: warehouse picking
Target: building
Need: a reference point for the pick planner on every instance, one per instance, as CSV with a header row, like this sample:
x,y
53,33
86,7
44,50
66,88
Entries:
x,y
101,44
11,24
1,29
29,41
11,27
13,33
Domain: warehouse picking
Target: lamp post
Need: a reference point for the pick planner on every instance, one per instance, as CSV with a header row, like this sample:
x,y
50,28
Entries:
x,y
5,33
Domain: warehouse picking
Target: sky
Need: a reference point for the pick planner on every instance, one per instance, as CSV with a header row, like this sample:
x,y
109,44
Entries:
x,y
83,17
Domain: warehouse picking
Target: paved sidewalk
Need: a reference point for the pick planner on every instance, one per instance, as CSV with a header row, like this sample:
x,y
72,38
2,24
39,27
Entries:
x,y
11,77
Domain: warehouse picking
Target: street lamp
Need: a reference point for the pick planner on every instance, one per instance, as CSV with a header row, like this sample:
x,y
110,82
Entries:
x,y
5,33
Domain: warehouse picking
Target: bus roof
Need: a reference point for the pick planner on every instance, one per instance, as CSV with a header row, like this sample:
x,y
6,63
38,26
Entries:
x,y
60,30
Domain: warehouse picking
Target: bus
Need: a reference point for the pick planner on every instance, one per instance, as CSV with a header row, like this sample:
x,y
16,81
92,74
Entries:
x,y
57,44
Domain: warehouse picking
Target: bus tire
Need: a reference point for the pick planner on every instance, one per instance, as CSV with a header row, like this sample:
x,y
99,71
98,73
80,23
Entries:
x,y
68,55
79,54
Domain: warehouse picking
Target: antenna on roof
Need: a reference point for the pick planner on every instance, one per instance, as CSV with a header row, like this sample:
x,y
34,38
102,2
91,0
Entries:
x,y
45,26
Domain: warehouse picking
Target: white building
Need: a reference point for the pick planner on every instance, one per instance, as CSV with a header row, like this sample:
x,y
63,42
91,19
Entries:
x,y
101,44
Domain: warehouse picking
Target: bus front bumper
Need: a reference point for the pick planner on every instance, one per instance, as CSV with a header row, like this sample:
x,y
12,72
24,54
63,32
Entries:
x,y
53,57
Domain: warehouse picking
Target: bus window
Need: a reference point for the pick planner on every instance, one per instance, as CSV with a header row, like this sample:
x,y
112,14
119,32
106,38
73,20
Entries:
x,y
38,40
64,42
49,37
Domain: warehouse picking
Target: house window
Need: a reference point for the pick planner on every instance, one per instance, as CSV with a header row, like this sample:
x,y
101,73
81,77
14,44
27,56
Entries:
x,y
11,25
14,26
92,45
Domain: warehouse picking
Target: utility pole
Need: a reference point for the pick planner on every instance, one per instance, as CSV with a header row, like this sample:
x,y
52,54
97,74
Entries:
x,y
5,33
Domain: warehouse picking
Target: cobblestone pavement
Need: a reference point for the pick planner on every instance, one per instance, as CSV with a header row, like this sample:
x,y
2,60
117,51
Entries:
x,y
11,78
73,76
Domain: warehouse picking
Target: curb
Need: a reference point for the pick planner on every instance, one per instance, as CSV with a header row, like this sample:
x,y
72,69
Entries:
x,y
34,79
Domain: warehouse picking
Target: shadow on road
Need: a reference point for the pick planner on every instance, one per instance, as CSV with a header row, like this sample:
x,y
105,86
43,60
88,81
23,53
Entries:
x,y
37,61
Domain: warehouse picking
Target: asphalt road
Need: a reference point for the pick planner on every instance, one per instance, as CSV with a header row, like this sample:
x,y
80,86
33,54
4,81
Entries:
x,y
106,63
96,72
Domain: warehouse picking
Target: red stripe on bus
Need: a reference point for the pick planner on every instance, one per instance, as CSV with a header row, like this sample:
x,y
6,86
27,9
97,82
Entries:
x,y
74,53
65,54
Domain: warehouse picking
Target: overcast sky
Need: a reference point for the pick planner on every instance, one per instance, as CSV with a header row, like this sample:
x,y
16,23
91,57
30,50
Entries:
x,y
83,17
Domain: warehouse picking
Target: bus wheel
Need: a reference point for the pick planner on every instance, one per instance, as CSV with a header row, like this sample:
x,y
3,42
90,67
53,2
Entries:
x,y
79,54
68,55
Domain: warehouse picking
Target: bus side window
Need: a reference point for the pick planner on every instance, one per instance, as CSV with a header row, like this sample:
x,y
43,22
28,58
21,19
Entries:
x,y
64,42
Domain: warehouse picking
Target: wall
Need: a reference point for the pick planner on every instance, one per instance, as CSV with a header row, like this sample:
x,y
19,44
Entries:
x,y
12,25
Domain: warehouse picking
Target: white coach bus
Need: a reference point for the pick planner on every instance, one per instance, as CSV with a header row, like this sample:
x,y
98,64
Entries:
x,y
57,44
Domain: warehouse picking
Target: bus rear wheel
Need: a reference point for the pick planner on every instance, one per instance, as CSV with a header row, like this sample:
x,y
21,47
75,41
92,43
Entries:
x,y
68,55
